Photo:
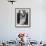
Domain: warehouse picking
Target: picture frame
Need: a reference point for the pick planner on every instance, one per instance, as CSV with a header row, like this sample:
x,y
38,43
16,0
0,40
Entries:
x,y
22,17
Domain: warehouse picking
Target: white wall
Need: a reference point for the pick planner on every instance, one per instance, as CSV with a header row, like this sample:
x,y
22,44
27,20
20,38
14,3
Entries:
x,y
8,30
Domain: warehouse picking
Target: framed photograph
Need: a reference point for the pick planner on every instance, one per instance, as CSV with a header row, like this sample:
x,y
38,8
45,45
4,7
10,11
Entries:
x,y
22,17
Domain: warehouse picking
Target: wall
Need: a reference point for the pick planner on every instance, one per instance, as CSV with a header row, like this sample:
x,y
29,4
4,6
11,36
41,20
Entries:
x,y
8,30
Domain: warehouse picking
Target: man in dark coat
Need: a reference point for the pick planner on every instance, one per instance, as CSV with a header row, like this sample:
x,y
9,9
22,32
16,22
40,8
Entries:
x,y
26,21
18,17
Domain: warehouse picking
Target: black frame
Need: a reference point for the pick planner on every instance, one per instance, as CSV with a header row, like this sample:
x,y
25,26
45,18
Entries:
x,y
29,21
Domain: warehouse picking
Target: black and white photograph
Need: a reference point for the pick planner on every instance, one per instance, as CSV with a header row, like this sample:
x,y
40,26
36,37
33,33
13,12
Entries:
x,y
22,17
